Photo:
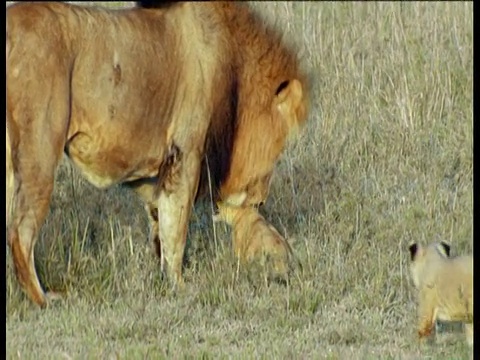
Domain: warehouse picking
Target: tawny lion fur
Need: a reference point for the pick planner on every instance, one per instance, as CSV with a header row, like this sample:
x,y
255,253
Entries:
x,y
191,91
445,287
253,237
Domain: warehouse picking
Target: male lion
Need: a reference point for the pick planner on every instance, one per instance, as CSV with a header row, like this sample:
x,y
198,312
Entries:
x,y
445,286
253,237
169,101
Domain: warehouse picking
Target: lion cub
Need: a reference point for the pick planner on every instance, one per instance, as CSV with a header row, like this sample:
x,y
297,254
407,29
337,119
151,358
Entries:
x,y
253,237
445,286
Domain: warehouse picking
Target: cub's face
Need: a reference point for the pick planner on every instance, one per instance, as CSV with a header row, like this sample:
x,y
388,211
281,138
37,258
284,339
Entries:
x,y
257,191
420,256
226,213
229,207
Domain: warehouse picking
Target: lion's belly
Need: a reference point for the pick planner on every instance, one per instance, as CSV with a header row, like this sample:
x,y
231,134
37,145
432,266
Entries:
x,y
115,134
108,155
124,105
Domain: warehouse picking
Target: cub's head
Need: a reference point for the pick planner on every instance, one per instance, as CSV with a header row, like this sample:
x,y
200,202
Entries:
x,y
229,208
226,213
421,256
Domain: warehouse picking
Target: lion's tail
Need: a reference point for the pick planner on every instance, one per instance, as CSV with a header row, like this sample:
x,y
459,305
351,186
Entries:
x,y
7,43
9,183
296,262
293,258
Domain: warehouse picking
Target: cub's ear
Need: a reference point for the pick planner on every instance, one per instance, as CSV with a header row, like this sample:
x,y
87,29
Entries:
x,y
236,199
414,249
445,247
289,99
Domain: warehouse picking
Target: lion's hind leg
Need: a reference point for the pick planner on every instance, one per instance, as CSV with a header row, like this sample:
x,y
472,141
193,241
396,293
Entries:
x,y
33,185
36,130
31,200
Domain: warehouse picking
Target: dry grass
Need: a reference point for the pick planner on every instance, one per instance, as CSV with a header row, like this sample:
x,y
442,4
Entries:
x,y
386,159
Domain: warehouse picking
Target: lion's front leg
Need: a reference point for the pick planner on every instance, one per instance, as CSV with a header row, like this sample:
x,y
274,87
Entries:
x,y
145,189
176,194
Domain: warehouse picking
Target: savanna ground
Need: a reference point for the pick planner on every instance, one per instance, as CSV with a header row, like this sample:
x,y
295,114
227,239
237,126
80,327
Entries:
x,y
385,159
